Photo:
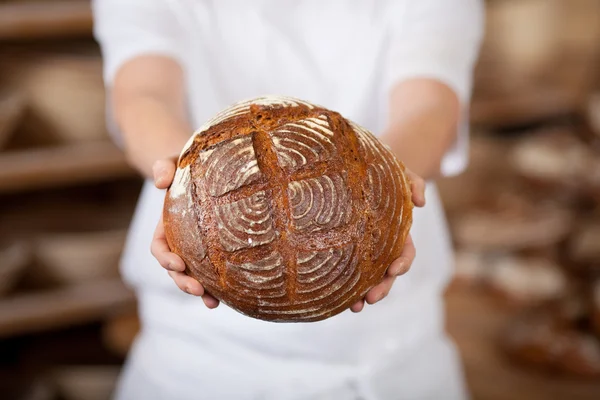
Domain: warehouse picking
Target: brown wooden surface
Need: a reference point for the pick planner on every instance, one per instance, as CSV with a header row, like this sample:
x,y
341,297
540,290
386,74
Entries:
x,y
523,108
68,164
45,19
35,312
475,320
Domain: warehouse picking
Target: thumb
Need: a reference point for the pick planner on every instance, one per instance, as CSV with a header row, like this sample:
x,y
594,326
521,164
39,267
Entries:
x,y
164,172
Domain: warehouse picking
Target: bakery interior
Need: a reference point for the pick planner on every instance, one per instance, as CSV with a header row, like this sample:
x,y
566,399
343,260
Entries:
x,y
524,304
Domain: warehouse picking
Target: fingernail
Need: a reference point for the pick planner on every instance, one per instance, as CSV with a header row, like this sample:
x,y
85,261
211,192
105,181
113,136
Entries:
x,y
172,266
156,171
160,177
397,269
159,174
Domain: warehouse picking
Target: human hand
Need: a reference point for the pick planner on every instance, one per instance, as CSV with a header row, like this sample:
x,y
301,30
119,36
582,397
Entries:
x,y
164,172
402,264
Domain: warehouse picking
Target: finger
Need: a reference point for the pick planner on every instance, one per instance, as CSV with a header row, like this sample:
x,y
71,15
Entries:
x,y
187,283
417,187
163,171
161,251
380,291
358,306
210,301
402,264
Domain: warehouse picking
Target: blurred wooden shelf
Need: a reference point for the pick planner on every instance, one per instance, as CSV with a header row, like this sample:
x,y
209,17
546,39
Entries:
x,y
475,321
45,19
35,312
523,108
55,166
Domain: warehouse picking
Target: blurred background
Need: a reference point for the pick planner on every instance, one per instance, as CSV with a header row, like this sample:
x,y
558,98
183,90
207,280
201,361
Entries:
x,y
524,306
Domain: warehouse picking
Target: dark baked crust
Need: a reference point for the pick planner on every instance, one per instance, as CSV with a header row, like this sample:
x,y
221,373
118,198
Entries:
x,y
286,211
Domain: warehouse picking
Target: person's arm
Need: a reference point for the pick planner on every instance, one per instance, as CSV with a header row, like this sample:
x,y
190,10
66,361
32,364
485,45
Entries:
x,y
429,71
148,99
144,49
422,127
424,115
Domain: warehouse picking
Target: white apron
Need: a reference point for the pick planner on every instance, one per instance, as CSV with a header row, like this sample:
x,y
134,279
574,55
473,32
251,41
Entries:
x,y
341,54
395,349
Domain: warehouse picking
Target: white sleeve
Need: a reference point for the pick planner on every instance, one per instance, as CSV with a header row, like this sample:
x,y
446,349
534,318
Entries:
x,y
126,29
440,39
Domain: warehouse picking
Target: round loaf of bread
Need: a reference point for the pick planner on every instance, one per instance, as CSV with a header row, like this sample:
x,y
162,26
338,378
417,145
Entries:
x,y
285,211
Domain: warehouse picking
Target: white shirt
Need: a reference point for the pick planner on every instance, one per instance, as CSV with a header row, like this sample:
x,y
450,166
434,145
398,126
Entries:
x,y
343,54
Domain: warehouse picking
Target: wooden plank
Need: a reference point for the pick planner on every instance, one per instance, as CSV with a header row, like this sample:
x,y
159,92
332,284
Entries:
x,y
476,321
55,166
35,312
49,19
523,108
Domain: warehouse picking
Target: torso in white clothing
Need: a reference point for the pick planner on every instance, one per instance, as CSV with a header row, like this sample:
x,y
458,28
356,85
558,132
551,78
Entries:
x,y
342,54
329,52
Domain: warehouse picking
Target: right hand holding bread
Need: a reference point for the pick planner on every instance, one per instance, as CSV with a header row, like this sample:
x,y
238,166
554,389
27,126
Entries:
x,y
164,171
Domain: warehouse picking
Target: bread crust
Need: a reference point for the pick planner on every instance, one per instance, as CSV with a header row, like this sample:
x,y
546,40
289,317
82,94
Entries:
x,y
286,211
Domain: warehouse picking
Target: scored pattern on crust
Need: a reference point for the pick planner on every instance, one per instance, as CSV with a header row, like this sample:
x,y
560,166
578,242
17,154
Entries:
x,y
317,270
284,205
381,168
319,203
303,142
243,108
230,165
264,278
245,223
